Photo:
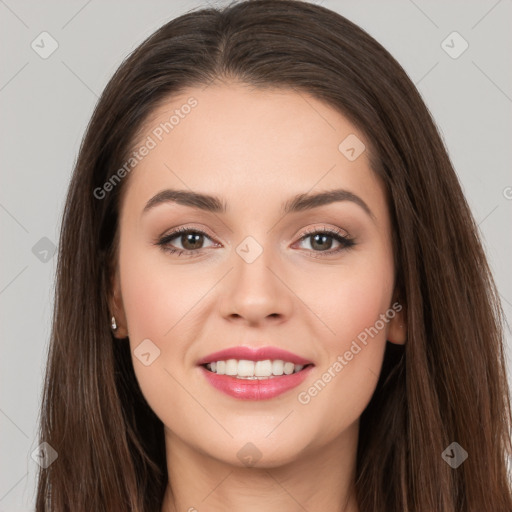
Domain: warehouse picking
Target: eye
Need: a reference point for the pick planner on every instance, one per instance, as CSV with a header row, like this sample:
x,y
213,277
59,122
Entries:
x,y
192,241
321,241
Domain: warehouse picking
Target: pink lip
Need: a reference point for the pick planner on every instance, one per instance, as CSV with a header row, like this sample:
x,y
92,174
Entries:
x,y
254,354
255,389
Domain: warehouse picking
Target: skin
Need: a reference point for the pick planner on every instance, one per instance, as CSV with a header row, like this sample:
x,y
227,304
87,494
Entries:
x,y
255,149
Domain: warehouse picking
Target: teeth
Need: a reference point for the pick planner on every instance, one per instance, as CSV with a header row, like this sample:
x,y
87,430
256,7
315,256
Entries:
x,y
221,367
277,367
245,369
263,368
288,368
231,366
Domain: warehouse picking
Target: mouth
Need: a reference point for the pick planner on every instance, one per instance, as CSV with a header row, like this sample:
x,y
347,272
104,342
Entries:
x,y
249,373
245,369
244,379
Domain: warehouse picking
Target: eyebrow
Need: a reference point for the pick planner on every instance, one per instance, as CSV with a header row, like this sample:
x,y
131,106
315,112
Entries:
x,y
215,204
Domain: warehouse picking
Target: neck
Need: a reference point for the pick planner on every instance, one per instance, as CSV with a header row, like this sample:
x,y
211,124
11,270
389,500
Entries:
x,y
321,479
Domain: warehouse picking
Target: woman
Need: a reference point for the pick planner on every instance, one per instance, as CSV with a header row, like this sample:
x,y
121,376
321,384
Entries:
x,y
271,294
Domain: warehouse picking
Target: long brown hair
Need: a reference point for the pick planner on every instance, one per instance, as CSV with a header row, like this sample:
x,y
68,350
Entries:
x,y
448,384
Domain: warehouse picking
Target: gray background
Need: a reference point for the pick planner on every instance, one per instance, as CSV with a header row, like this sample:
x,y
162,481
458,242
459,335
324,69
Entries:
x,y
46,104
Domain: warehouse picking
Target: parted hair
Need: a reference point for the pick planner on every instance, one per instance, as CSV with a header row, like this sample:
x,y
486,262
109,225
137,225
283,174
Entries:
x,y
446,384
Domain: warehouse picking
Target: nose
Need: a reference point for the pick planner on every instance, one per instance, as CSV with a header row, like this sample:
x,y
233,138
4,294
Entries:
x,y
256,291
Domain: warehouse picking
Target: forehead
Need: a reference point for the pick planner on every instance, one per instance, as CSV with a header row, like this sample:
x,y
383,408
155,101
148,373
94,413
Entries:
x,y
243,142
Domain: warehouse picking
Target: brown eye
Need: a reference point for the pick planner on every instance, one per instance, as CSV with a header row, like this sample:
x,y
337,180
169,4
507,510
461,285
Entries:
x,y
321,241
191,241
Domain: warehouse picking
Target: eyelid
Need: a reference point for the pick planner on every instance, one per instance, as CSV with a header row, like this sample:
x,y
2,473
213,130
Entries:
x,y
324,228
340,235
175,233
189,227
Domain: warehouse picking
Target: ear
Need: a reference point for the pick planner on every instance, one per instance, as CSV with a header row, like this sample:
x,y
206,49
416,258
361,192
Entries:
x,y
396,331
116,307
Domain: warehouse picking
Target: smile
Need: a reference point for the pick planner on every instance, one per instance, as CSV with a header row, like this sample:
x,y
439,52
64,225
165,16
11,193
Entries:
x,y
254,387
252,370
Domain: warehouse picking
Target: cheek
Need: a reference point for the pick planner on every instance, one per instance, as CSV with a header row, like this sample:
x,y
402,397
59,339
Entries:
x,y
354,296
156,296
348,376
161,301
147,300
154,302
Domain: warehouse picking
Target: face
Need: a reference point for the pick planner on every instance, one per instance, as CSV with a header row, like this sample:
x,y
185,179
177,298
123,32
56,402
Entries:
x,y
315,279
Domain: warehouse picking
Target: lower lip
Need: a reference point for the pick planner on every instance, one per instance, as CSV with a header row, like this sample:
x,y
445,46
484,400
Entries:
x,y
264,389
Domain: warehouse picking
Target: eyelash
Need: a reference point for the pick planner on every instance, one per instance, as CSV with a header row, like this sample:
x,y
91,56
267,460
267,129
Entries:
x,y
345,241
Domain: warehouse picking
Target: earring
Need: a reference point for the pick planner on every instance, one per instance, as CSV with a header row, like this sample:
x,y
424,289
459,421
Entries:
x,y
114,325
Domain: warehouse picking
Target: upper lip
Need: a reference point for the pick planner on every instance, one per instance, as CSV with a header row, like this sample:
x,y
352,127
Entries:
x,y
253,354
